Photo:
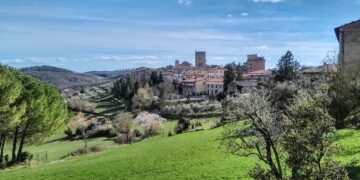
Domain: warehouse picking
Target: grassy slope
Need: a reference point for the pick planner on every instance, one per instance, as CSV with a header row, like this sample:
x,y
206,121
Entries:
x,y
190,155
187,156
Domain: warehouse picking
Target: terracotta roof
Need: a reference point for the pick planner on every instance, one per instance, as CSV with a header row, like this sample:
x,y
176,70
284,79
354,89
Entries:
x,y
192,80
215,80
321,69
260,72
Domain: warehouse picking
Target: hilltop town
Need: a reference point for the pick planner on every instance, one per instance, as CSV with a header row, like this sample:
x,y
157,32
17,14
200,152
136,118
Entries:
x,y
204,79
191,119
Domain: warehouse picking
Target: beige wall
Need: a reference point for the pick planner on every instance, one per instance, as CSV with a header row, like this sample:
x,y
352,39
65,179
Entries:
x,y
352,47
200,87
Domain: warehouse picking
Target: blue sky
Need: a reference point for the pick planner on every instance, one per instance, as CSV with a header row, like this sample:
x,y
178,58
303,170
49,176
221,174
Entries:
x,y
85,35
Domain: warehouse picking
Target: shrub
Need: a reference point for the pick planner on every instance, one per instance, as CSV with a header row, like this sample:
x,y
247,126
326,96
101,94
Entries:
x,y
68,132
84,151
150,122
137,133
121,139
123,125
25,156
76,104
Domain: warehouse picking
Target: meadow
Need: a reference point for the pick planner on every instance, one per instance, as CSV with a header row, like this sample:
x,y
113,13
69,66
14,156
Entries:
x,y
193,155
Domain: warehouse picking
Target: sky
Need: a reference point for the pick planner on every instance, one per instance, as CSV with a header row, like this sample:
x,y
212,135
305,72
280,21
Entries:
x,y
87,35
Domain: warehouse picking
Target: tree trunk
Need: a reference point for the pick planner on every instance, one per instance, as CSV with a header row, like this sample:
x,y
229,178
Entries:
x,y
272,165
13,158
84,136
22,141
3,139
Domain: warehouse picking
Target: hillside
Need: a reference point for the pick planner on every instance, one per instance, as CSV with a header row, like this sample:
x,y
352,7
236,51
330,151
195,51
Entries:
x,y
63,78
194,155
110,74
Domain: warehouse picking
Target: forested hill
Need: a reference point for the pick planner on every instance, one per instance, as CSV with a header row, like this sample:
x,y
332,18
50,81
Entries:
x,y
63,78
111,74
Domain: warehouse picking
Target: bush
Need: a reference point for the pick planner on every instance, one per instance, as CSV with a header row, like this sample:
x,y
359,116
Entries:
x,y
137,133
121,139
84,151
68,132
150,122
153,129
179,109
76,104
25,156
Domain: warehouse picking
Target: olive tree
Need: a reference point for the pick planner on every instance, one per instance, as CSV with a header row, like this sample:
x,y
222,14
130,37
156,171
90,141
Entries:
x,y
298,138
253,129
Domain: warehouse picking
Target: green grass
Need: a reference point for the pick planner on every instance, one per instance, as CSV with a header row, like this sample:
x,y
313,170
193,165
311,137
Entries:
x,y
58,149
193,155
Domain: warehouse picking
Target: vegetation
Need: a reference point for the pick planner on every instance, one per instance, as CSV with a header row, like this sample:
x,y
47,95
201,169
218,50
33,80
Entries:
x,y
345,94
151,123
63,78
30,111
287,68
82,125
143,99
186,156
233,72
123,125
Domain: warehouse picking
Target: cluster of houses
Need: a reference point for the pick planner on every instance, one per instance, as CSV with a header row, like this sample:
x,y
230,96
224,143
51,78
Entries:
x,y
203,79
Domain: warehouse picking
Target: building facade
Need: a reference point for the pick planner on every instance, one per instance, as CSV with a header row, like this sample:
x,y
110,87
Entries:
x,y
192,87
215,73
348,36
255,63
214,86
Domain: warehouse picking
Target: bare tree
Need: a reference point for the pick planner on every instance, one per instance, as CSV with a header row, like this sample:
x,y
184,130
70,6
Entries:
x,y
81,124
258,134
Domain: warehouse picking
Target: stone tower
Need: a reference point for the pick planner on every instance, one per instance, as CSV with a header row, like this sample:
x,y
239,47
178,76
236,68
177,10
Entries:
x,y
177,63
200,59
255,63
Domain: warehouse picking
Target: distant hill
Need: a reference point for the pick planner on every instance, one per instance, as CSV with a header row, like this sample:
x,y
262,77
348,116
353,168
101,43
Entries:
x,y
111,74
64,78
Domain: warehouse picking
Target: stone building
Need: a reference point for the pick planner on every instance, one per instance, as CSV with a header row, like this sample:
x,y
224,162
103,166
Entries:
x,y
214,86
215,72
200,59
194,86
348,36
255,63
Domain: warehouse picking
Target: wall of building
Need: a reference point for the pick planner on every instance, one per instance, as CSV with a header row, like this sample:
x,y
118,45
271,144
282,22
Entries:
x,y
351,39
256,65
200,87
214,88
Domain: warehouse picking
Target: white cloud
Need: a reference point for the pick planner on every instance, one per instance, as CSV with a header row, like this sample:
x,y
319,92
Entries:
x,y
262,47
244,14
268,1
184,2
229,15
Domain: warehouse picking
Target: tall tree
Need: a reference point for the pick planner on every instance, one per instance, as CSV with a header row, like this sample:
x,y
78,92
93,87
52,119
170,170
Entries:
x,y
287,68
10,110
30,111
229,74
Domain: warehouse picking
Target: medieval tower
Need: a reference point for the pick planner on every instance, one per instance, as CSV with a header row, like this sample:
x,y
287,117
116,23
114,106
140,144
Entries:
x,y
200,59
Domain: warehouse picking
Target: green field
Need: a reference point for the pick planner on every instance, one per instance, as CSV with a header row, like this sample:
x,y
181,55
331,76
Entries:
x,y
194,155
